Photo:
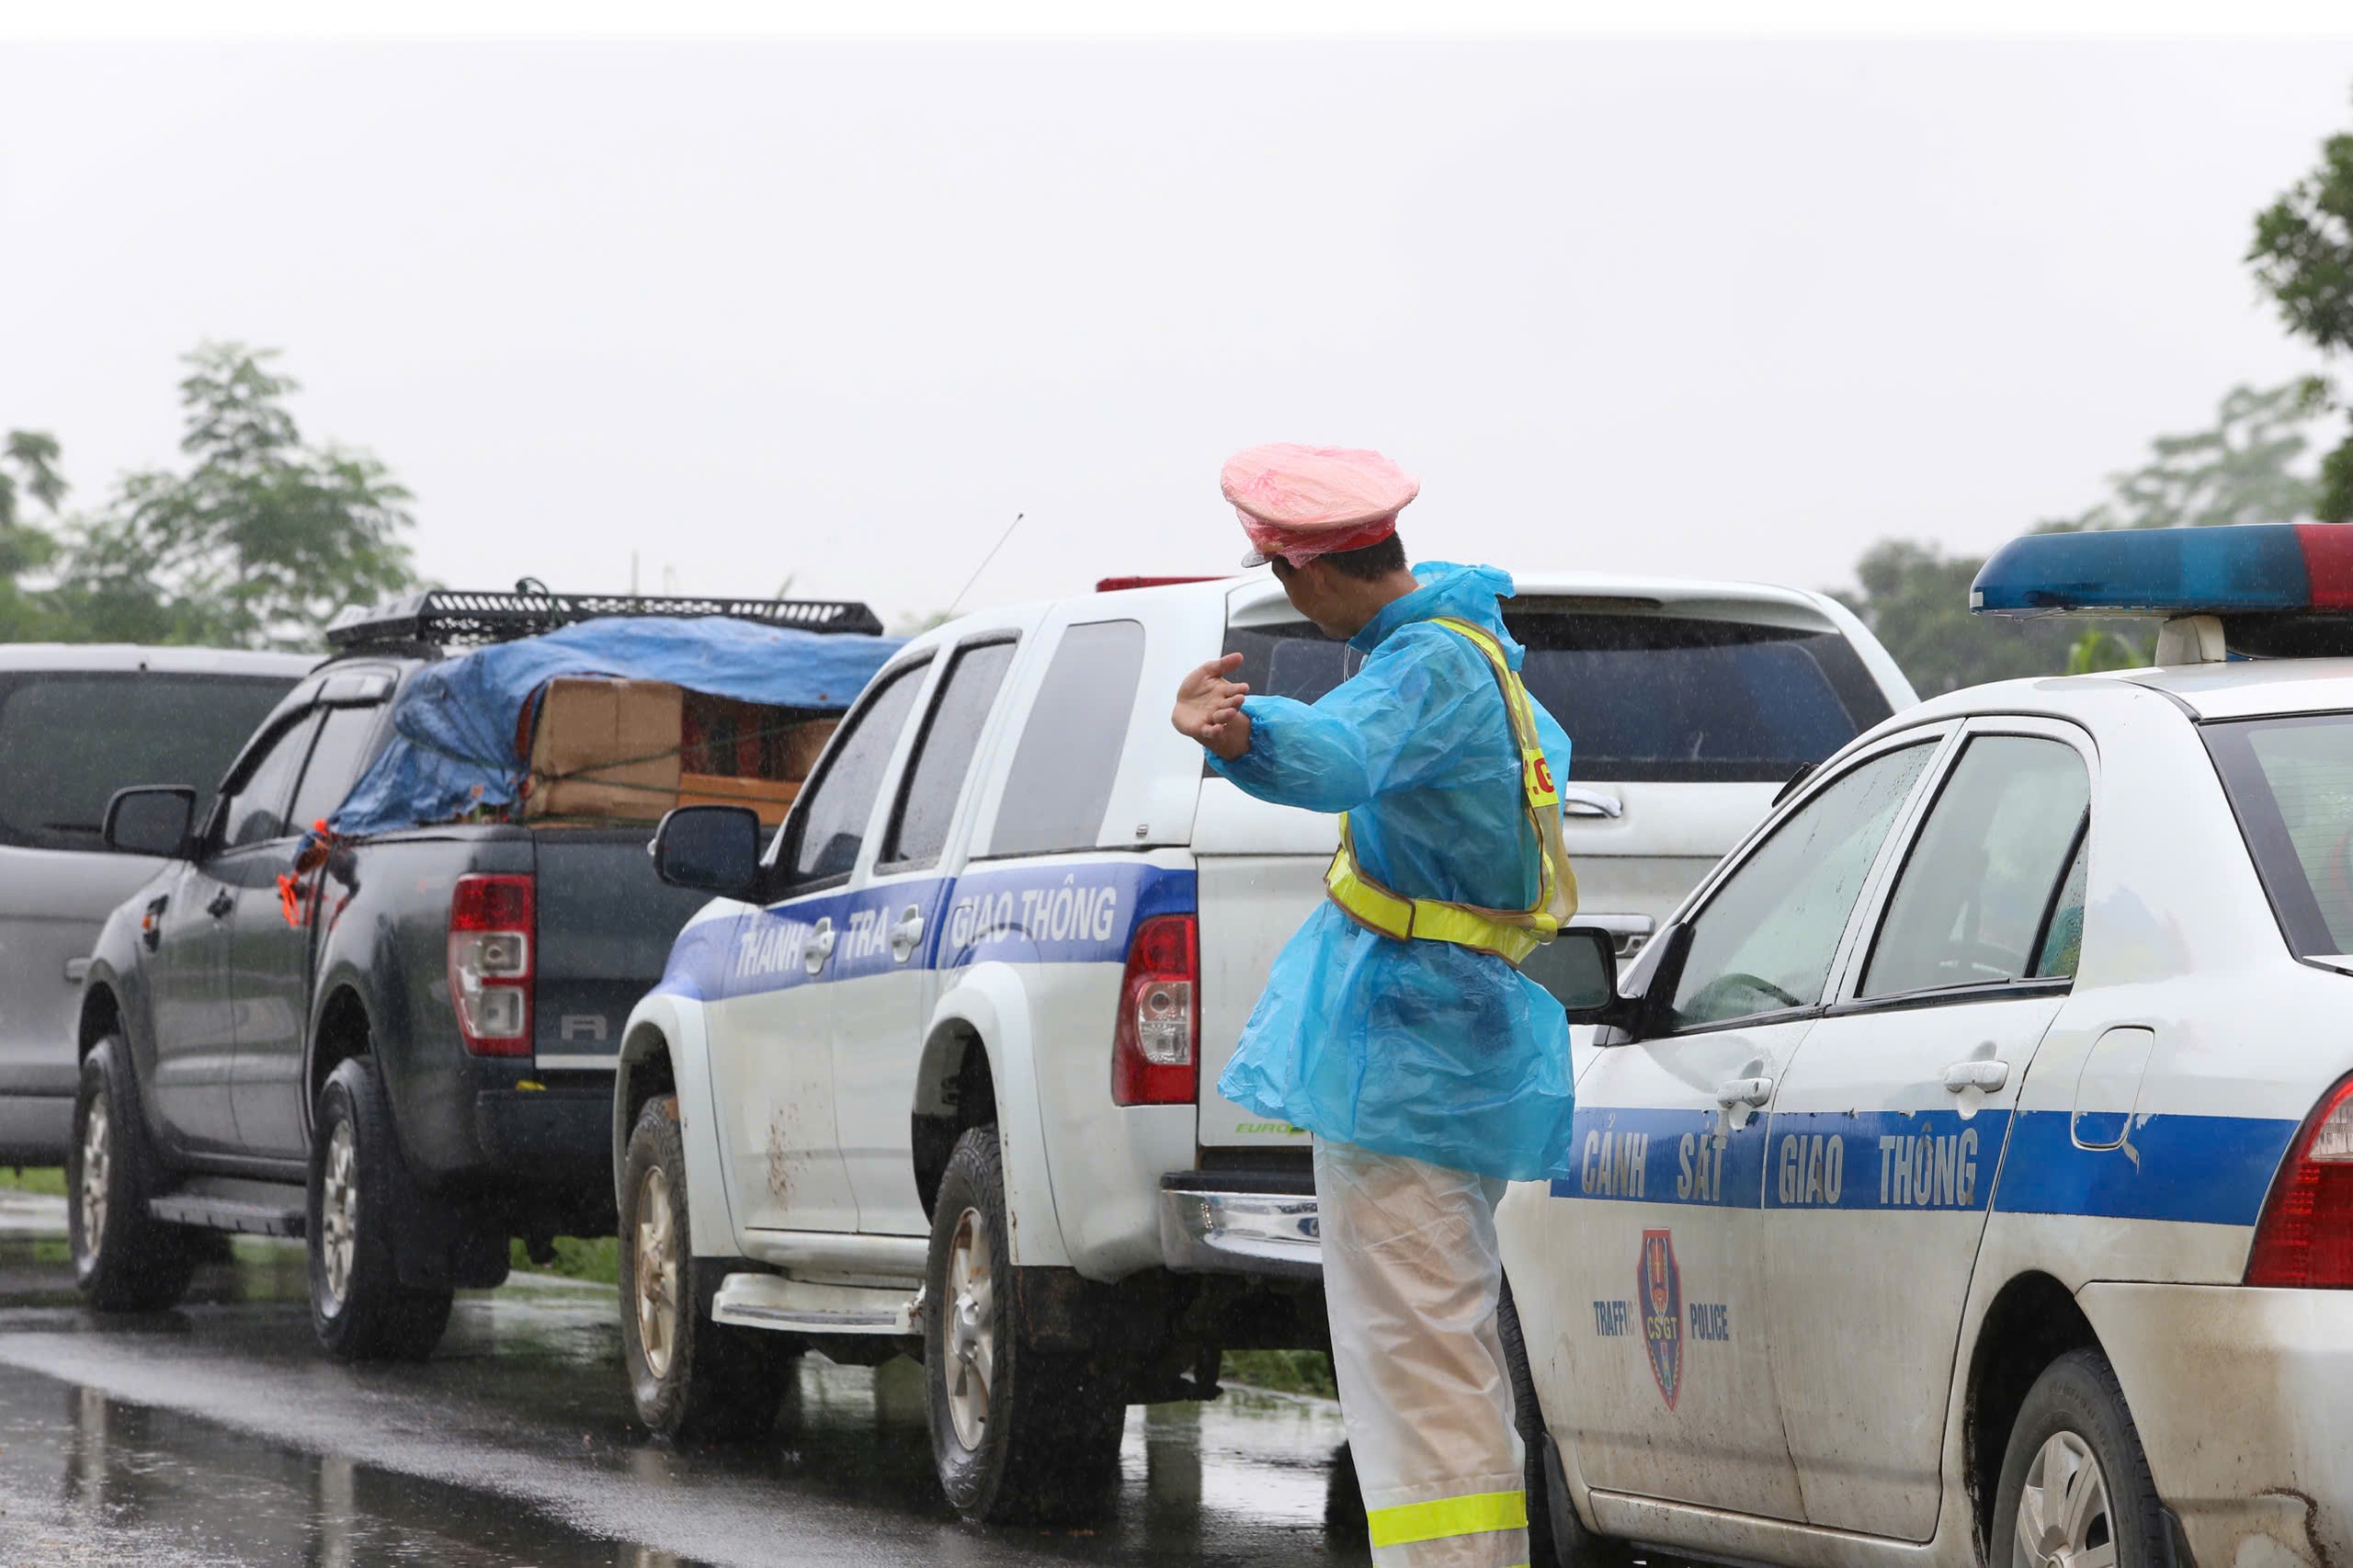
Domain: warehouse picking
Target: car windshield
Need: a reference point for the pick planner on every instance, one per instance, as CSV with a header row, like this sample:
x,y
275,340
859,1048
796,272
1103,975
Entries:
x,y
70,739
1643,696
2290,781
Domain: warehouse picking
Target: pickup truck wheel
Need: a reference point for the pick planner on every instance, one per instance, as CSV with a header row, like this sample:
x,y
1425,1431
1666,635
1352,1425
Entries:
x,y
693,1379
124,1261
1556,1536
1019,1435
358,1308
2075,1490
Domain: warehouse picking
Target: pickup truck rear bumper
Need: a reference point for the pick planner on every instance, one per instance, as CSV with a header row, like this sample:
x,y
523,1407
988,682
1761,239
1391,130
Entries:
x,y
1239,1222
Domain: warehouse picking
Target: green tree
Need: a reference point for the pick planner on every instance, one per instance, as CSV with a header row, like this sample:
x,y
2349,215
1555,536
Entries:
x,y
2302,256
28,469
2245,470
257,545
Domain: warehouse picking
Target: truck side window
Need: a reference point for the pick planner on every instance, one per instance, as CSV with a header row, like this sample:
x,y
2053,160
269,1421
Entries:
x,y
1975,899
256,810
1764,940
828,822
944,755
1059,783
335,764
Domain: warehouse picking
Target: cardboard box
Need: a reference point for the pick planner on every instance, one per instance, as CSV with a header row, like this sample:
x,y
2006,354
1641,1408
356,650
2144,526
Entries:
x,y
771,798
803,742
605,749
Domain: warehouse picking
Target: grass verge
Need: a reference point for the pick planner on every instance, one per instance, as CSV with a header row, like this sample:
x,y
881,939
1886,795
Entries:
x,y
50,1180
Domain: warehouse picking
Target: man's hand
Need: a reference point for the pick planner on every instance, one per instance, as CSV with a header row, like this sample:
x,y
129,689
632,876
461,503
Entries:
x,y
1208,707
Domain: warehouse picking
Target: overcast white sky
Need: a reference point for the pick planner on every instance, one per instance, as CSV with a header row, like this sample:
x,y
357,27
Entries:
x,y
836,311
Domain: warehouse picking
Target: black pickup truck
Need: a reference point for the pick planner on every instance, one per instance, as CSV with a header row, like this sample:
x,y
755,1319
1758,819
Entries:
x,y
409,1064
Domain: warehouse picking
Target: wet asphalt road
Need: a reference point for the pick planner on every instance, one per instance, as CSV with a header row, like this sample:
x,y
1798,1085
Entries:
x,y
217,1434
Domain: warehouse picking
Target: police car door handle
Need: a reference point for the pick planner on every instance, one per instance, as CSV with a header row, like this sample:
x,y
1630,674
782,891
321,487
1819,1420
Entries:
x,y
906,933
1988,1076
818,946
1751,1091
1578,801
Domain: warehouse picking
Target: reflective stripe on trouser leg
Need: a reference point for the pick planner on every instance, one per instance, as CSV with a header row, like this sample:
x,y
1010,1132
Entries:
x,y
1411,1277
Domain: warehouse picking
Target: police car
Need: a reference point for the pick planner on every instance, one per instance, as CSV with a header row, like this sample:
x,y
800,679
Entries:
x,y
1966,1173
937,1070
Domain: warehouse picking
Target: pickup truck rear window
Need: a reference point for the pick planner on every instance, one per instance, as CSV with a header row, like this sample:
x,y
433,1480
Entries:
x,y
70,739
2290,781
1643,697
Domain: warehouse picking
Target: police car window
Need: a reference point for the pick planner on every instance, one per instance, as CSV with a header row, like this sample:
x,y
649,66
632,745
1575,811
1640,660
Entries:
x,y
2290,781
1764,940
944,755
256,810
1059,783
2063,940
70,739
828,823
1970,904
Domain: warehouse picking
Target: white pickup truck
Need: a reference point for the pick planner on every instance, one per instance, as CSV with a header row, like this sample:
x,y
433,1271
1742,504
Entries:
x,y
935,1072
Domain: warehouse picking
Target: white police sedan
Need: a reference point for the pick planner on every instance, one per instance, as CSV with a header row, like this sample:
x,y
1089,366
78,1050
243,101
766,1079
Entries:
x,y
1966,1174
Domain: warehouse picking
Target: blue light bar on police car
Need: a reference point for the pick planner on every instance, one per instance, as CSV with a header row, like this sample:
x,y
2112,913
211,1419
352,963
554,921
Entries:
x,y
2243,569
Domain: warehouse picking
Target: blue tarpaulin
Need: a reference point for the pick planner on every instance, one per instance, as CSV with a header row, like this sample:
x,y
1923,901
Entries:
x,y
453,747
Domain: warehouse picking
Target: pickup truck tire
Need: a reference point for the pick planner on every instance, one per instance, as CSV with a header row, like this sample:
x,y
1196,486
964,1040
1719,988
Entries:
x,y
1019,1435
2075,1479
694,1381
358,1308
1556,1536
124,1261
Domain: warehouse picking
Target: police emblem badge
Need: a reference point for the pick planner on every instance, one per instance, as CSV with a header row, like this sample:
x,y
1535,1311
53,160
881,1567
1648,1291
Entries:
x,y
1658,1284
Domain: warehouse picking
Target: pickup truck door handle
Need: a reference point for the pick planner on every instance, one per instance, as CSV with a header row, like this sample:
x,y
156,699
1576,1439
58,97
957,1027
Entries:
x,y
1750,1092
906,933
1977,1074
818,946
223,905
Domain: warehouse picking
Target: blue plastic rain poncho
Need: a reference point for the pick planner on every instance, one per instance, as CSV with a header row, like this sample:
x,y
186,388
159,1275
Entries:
x,y
1423,1049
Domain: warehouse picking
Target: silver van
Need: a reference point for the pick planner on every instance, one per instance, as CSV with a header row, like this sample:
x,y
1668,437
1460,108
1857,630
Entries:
x,y
77,723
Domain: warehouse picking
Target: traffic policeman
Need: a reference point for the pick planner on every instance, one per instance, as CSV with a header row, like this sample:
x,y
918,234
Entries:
x,y
1396,1026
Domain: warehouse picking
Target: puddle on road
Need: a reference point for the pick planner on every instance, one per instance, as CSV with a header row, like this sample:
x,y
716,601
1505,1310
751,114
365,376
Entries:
x,y
217,1434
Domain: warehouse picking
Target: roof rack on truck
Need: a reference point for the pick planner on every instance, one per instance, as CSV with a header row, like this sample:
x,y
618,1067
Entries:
x,y
456,619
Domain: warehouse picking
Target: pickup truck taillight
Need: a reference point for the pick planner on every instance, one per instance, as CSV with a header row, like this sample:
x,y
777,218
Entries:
x,y
493,929
1151,1049
2305,1237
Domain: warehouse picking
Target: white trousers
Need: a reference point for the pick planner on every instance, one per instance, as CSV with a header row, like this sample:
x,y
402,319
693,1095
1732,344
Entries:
x,y
1411,1278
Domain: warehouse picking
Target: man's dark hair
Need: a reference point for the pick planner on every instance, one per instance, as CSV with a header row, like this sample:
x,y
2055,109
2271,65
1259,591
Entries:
x,y
1373,562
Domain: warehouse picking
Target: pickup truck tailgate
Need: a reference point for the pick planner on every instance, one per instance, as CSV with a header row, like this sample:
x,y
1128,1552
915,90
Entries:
x,y
605,924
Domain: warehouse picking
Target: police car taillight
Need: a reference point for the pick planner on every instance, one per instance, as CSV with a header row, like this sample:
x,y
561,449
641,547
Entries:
x,y
1153,1055
2305,1237
493,929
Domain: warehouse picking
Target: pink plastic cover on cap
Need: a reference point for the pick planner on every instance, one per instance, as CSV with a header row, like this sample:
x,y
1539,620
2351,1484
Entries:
x,y
1302,501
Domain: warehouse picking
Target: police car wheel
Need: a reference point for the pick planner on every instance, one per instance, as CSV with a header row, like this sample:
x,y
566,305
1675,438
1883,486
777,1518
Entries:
x,y
124,1260
692,1380
1019,1435
359,1309
1556,1536
2075,1488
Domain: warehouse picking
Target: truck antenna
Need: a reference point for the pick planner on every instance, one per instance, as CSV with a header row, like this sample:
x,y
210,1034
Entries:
x,y
985,564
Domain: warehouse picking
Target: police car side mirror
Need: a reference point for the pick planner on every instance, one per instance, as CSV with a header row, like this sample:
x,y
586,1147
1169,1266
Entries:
x,y
713,849
1579,967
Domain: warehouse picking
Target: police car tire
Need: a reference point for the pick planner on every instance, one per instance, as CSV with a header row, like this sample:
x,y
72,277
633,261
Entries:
x,y
1051,1451
724,1384
1556,1536
2078,1393
378,1319
134,1263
